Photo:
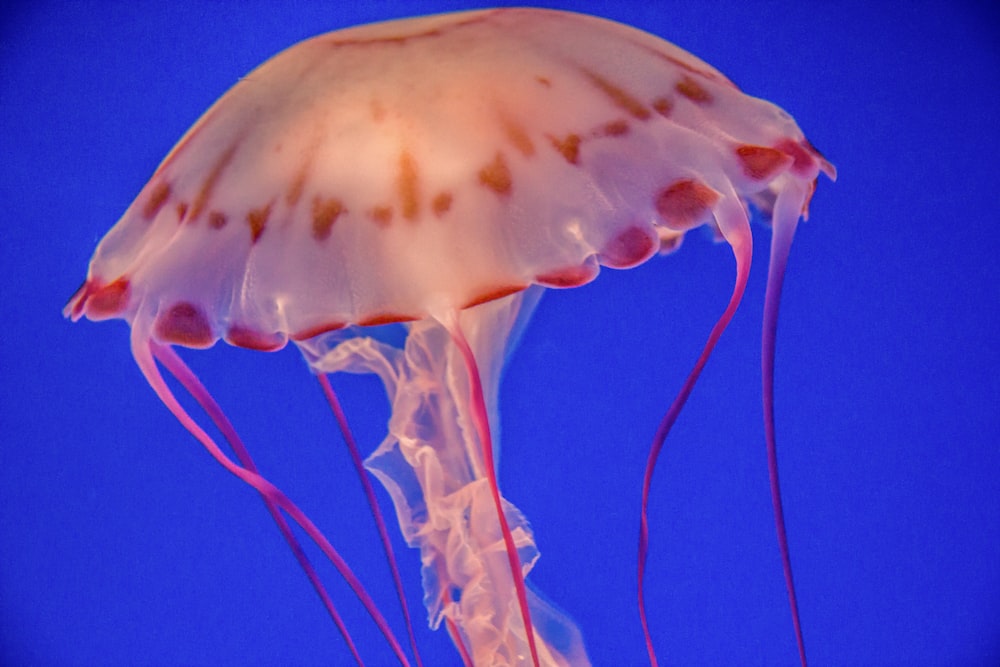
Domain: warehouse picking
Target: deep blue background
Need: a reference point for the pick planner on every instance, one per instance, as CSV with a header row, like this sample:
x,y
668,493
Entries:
x,y
122,542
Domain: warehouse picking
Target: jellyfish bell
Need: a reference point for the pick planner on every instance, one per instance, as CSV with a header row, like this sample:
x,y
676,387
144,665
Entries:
x,y
435,174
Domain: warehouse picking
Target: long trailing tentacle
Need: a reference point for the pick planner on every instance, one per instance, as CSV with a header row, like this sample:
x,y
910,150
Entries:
x,y
788,207
355,452
735,227
173,363
481,422
146,351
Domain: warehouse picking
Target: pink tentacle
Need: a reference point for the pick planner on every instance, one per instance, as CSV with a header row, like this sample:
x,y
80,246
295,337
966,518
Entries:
x,y
456,639
788,208
480,419
736,230
143,350
352,447
173,363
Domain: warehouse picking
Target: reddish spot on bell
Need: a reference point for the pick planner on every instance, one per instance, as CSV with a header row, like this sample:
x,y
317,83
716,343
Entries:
x,y
760,162
312,332
324,213
619,97
518,136
211,180
632,246
802,161
685,204
616,128
381,215
409,191
441,204
257,219
252,339
385,318
692,90
297,186
571,276
663,106
217,220
184,324
496,175
157,198
493,294
568,147
107,300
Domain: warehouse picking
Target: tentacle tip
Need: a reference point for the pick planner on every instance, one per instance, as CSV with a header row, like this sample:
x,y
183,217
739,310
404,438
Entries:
x,y
830,170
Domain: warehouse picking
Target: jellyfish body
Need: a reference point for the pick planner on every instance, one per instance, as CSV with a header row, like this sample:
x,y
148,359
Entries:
x,y
437,172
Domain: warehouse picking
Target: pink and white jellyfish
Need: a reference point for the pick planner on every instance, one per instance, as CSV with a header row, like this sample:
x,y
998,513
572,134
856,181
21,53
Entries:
x,y
437,173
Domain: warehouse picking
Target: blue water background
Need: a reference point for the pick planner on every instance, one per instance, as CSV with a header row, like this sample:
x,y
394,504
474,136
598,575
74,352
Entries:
x,y
123,543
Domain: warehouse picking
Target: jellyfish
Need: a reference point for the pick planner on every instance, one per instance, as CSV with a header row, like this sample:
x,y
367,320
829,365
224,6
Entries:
x,y
393,199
